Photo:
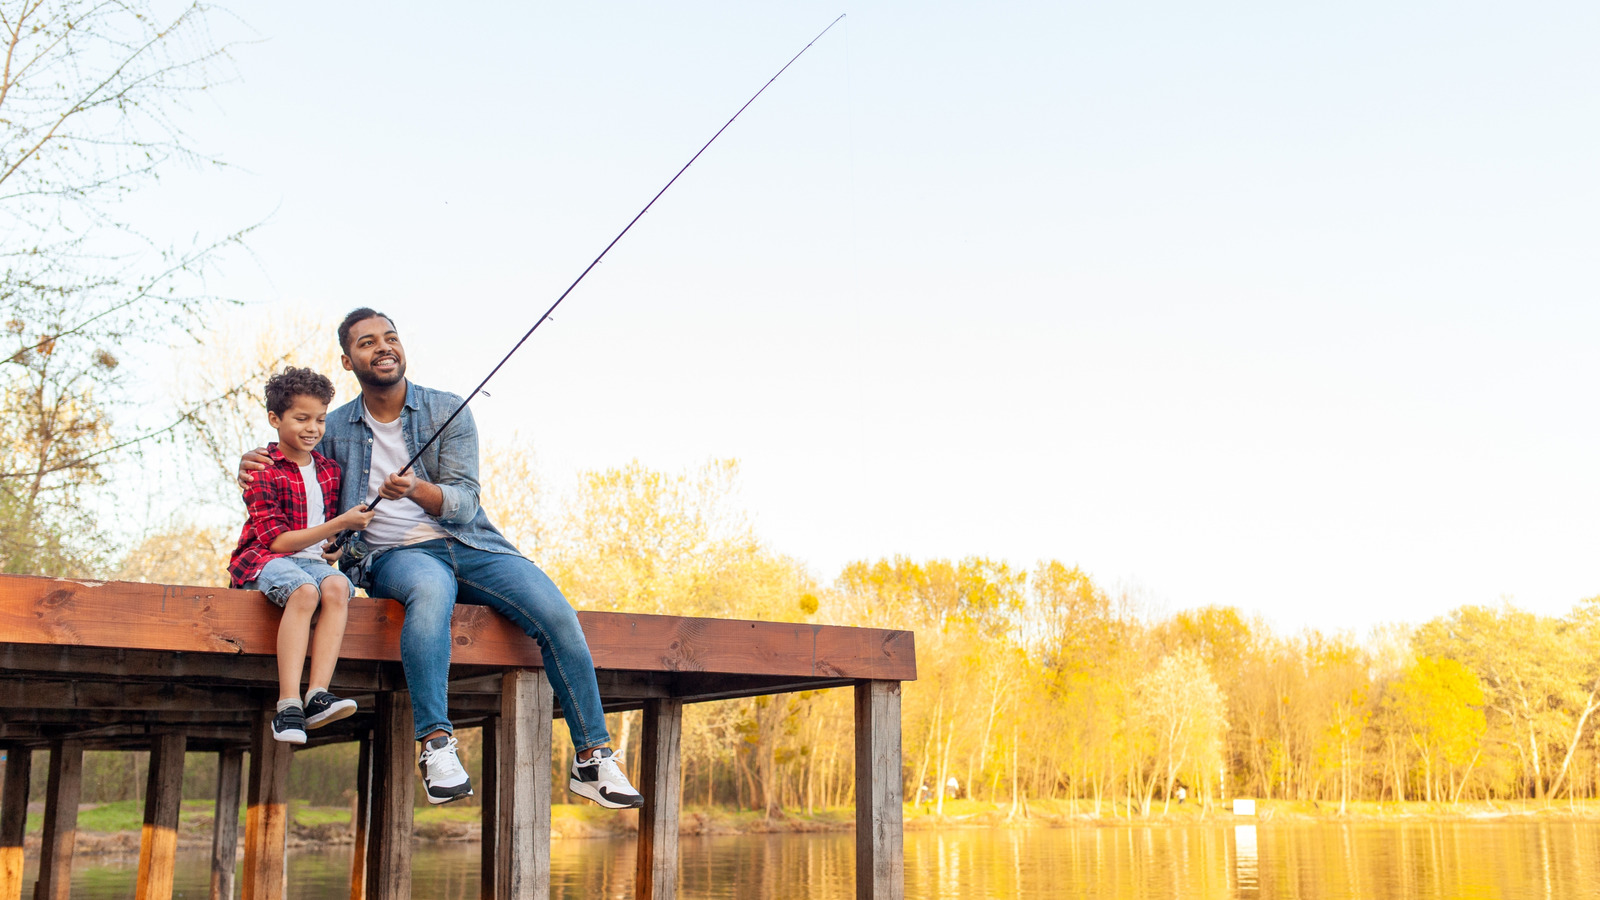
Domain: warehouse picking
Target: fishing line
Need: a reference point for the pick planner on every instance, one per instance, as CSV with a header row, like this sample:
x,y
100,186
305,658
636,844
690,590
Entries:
x,y
342,541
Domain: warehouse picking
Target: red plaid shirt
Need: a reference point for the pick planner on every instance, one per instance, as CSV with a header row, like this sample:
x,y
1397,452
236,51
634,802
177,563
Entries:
x,y
276,502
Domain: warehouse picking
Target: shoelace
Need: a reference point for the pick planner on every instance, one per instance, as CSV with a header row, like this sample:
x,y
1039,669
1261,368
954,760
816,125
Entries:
x,y
448,760
599,761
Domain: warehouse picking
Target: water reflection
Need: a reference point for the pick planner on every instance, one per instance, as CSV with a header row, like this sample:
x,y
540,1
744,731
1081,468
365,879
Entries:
x,y
1244,861
1429,860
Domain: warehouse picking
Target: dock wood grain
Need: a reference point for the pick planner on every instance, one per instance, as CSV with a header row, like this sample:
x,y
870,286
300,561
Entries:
x,y
185,619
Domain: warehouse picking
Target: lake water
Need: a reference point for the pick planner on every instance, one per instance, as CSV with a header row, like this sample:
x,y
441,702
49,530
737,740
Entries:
x,y
1201,862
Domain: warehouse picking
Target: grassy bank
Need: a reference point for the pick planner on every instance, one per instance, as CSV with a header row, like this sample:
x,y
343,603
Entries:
x,y
114,827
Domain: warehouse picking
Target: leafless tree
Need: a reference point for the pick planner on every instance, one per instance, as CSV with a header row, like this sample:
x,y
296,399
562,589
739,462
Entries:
x,y
92,95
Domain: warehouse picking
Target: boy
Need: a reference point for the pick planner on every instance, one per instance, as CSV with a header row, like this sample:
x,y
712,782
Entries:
x,y
278,550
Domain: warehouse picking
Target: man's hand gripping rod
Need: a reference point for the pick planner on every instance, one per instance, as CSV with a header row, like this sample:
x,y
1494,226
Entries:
x,y
354,551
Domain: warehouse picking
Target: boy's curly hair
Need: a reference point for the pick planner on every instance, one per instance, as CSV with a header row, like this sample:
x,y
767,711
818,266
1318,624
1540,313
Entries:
x,y
283,387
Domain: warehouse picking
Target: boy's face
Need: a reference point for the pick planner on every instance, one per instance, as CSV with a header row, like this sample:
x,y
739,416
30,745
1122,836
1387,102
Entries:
x,y
302,424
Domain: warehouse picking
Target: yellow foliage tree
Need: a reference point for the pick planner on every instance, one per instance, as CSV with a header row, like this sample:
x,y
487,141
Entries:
x,y
1438,705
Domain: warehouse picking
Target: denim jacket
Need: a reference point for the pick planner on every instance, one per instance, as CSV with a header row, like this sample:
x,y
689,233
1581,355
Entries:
x,y
451,463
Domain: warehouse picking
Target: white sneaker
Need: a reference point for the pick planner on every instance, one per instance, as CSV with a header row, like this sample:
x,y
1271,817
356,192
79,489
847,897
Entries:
x,y
443,778
600,779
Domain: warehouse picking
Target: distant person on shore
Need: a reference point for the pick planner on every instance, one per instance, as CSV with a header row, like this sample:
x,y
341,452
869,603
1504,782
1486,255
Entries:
x,y
430,544
278,553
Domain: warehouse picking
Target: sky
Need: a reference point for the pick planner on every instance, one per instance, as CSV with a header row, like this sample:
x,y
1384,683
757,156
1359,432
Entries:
x,y
1278,306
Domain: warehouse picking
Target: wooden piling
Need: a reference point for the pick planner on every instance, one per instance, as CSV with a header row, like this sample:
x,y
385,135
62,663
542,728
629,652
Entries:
x,y
266,819
526,710
225,823
158,839
63,789
14,820
489,812
656,875
394,756
880,849
361,818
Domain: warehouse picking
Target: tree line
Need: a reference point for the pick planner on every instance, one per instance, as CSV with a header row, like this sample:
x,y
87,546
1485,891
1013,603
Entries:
x,y
1038,684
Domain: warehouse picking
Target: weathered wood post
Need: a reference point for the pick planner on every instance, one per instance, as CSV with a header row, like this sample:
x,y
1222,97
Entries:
x,y
489,812
158,839
656,876
225,824
266,819
361,818
13,820
880,846
394,756
60,821
526,709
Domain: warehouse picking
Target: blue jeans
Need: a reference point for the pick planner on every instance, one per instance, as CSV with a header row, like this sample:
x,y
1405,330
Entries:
x,y
429,578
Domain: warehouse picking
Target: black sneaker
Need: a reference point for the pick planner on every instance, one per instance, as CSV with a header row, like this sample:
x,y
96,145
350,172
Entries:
x,y
324,707
443,778
600,779
289,725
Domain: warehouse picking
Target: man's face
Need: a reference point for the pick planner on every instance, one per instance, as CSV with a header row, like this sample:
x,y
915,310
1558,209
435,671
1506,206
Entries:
x,y
375,356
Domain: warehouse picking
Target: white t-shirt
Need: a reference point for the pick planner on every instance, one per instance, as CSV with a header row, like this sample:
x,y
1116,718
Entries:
x,y
315,514
399,522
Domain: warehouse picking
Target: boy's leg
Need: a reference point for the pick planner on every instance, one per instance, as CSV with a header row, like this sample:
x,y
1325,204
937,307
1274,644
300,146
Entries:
x,y
426,586
329,635
294,631
290,587
321,705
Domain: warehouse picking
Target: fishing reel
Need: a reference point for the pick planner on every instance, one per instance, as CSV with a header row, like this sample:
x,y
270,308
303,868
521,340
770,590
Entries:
x,y
352,550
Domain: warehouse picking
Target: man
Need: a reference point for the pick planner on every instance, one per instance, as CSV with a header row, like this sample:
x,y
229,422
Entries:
x,y
430,545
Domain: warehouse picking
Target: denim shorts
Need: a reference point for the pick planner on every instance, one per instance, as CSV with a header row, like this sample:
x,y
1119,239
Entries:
x,y
282,576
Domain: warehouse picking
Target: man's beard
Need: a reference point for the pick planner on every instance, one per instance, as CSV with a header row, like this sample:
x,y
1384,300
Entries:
x,y
370,377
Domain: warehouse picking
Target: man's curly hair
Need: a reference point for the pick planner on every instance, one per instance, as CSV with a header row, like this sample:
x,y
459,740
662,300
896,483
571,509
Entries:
x,y
283,387
359,314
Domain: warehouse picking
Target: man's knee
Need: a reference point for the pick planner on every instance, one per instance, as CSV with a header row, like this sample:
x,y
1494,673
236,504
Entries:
x,y
428,608
561,625
425,589
428,604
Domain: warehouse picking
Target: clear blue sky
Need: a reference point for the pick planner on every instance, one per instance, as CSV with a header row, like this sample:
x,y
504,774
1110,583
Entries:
x,y
1259,304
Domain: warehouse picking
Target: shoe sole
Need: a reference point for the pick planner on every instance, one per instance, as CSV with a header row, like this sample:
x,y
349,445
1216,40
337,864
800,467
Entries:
x,y
292,736
332,714
592,794
438,800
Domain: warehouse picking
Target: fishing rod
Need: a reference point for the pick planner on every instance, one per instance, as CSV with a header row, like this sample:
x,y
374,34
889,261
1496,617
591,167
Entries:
x,y
354,551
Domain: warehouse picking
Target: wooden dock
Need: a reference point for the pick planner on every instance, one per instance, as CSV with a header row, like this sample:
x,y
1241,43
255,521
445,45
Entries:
x,y
171,669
